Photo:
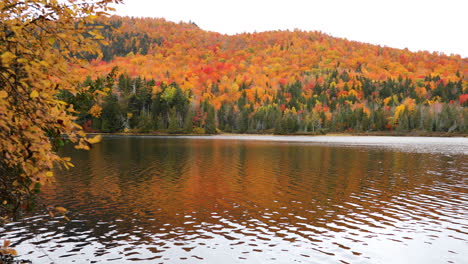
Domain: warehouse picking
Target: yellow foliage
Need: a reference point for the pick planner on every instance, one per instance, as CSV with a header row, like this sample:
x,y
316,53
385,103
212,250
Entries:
x,y
32,67
156,89
95,110
421,92
61,209
353,92
408,105
3,94
34,94
387,100
399,110
7,57
95,139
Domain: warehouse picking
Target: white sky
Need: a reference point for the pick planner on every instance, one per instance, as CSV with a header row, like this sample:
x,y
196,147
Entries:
x,y
414,24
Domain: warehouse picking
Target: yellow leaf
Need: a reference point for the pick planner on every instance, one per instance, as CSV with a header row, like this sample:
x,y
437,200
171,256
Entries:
x,y
100,92
3,94
95,139
77,126
60,102
34,94
7,57
61,209
49,174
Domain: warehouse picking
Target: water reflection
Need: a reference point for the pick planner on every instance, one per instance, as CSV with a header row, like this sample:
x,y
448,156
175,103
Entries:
x,y
227,201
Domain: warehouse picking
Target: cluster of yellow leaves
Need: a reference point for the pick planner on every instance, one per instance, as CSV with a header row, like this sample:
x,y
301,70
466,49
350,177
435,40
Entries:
x,y
95,110
407,105
40,41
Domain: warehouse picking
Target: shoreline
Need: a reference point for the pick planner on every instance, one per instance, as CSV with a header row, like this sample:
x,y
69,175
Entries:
x,y
334,134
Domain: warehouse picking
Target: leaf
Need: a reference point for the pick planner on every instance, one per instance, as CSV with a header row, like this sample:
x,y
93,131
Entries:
x,y
7,57
12,251
6,243
51,40
95,139
100,93
61,210
34,94
8,251
3,94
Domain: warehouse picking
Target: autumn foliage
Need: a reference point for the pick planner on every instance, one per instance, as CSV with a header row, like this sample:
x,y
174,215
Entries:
x,y
40,42
262,82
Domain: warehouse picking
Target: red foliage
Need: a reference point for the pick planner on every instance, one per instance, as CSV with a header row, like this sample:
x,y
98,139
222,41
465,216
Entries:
x,y
283,81
463,98
87,127
208,70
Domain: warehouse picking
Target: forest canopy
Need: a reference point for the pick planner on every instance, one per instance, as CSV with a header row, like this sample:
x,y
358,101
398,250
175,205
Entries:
x,y
178,78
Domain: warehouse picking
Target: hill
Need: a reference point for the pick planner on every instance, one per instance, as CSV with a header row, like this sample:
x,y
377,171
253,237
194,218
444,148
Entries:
x,y
175,78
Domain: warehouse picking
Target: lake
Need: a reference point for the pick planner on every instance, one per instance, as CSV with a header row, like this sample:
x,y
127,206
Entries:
x,y
255,199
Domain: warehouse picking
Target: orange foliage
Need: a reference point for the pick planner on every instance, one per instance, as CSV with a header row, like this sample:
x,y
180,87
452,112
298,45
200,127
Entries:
x,y
265,62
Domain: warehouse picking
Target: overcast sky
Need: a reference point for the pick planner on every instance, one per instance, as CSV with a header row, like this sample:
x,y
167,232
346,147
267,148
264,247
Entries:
x,y
414,24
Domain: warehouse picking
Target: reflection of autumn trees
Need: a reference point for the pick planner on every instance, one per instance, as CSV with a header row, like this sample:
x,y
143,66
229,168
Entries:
x,y
188,181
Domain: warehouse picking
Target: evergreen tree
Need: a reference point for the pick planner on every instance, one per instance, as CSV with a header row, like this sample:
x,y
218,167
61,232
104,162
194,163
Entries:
x,y
112,119
173,121
188,121
210,125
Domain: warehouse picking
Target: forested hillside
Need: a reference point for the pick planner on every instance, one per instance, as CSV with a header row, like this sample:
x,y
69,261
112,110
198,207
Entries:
x,y
161,76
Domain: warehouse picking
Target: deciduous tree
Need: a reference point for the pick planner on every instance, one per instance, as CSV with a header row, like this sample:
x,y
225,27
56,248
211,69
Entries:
x,y
40,40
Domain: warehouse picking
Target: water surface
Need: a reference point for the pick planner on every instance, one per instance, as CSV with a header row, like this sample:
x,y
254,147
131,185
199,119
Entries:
x,y
255,199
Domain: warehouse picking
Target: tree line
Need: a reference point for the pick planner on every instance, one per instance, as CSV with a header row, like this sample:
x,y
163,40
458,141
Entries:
x,y
136,104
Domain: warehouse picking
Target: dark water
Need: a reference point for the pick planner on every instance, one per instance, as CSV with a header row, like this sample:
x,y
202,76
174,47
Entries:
x,y
256,200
